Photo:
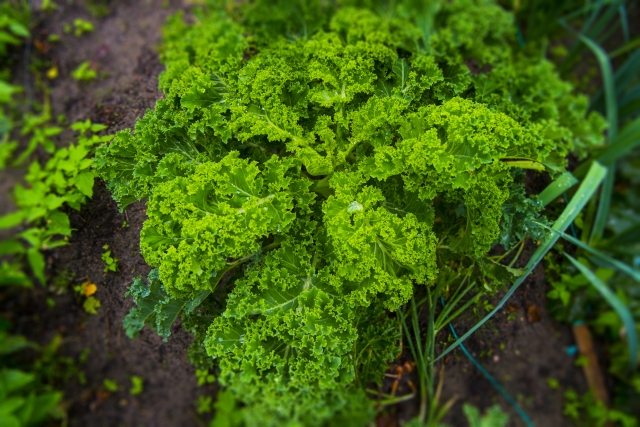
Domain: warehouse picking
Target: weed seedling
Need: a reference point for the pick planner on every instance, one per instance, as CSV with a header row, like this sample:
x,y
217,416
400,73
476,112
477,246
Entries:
x,y
84,72
137,385
111,263
110,385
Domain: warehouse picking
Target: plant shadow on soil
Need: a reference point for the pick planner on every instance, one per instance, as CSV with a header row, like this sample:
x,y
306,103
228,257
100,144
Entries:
x,y
522,346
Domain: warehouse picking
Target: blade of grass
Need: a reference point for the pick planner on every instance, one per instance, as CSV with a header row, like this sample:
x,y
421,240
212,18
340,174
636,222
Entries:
x,y
630,105
602,214
609,83
557,188
628,72
624,77
624,21
634,274
594,177
628,138
612,118
605,22
626,48
416,356
593,26
629,236
616,304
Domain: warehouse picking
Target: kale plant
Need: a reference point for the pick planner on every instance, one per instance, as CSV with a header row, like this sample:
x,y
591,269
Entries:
x,y
324,161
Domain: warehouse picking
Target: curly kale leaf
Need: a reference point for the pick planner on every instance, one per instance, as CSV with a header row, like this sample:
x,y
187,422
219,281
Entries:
x,y
332,158
155,307
521,216
200,225
288,332
374,251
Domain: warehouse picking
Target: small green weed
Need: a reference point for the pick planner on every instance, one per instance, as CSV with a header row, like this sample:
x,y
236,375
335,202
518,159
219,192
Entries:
x,y
137,385
79,27
205,404
110,385
111,263
204,377
84,72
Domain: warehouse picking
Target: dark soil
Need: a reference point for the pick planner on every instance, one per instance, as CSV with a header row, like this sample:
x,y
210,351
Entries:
x,y
522,347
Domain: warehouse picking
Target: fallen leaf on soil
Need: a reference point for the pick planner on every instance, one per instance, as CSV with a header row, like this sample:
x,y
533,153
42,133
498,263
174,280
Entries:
x,y
53,73
101,396
41,46
533,314
512,308
89,288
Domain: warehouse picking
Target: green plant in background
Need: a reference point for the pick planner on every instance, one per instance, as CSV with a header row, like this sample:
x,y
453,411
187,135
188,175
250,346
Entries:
x,y
48,5
227,410
337,166
66,179
24,400
110,385
494,417
14,23
91,305
79,27
204,404
55,368
137,385
204,377
111,263
40,133
586,411
84,72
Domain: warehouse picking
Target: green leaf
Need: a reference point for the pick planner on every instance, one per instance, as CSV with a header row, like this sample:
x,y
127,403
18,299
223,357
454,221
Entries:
x,y
494,417
557,188
44,405
155,307
12,343
612,117
11,274
110,385
137,385
204,94
91,305
14,379
623,143
9,420
11,405
227,411
401,70
37,264
12,219
84,183
84,72
58,223
11,247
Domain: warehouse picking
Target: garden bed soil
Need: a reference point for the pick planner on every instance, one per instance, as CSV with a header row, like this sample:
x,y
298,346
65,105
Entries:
x,y
522,347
